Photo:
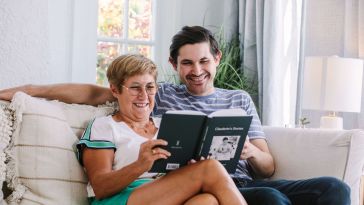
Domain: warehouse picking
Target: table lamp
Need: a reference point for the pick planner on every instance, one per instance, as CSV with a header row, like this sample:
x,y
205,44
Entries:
x,y
332,84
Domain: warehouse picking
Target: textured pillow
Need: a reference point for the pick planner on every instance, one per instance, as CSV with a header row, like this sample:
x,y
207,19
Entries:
x,y
6,126
43,168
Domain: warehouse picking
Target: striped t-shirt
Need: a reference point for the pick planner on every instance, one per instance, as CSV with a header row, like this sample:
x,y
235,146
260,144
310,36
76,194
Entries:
x,y
176,97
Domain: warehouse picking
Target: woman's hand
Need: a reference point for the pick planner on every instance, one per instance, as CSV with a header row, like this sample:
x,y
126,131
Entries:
x,y
151,151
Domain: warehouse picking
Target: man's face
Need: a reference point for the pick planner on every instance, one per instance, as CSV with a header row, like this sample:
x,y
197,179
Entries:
x,y
196,68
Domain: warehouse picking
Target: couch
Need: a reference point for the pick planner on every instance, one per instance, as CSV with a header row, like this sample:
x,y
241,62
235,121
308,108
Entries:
x,y
38,163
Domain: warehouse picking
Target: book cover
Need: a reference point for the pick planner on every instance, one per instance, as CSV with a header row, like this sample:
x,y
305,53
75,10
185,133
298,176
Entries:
x,y
191,135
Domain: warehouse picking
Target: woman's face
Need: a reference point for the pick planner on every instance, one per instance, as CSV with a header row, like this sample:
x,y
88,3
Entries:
x,y
136,99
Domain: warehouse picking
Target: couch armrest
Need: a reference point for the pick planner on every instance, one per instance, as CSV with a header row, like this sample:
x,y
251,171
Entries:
x,y
306,153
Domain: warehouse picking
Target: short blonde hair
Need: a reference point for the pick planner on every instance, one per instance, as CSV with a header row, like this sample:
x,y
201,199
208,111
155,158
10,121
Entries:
x,y
128,65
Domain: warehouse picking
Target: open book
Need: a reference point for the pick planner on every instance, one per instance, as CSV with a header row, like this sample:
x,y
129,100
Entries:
x,y
192,134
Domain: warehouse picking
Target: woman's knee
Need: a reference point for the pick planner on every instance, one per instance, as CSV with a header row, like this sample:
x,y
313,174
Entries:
x,y
213,168
212,165
204,198
209,172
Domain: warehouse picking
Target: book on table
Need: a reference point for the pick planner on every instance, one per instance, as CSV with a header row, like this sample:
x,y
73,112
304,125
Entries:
x,y
192,135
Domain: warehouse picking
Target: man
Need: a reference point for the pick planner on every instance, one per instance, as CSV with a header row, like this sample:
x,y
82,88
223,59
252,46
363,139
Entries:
x,y
194,54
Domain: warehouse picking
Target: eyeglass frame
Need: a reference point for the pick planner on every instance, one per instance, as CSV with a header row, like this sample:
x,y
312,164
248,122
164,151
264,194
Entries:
x,y
139,89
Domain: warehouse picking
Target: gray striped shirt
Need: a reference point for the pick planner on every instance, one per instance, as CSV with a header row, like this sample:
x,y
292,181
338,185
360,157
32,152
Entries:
x,y
176,97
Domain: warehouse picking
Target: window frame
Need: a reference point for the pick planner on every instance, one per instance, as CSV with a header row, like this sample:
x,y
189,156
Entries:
x,y
124,41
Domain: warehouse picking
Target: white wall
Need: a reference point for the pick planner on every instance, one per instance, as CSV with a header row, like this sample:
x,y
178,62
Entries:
x,y
54,41
39,45
25,43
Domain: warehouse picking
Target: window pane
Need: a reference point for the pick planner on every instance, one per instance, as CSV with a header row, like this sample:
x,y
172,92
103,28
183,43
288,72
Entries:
x,y
140,19
142,49
106,53
110,18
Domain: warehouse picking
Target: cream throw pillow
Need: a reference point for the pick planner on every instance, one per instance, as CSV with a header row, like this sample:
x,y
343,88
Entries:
x,y
43,167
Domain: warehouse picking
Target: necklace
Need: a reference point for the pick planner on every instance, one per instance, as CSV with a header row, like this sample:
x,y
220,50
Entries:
x,y
144,128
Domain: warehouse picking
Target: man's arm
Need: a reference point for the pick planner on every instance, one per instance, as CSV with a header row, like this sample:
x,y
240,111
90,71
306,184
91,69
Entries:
x,y
257,153
69,93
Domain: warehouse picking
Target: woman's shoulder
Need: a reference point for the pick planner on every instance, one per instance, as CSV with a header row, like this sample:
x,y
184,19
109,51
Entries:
x,y
103,119
101,122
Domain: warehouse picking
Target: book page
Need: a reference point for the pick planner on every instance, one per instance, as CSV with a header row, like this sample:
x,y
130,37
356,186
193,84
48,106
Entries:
x,y
229,112
223,147
185,112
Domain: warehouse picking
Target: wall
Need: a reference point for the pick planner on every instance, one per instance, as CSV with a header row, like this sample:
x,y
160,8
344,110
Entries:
x,y
54,41
39,45
328,32
25,47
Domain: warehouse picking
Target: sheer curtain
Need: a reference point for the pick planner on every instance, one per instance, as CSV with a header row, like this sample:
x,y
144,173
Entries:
x,y
270,38
354,47
335,27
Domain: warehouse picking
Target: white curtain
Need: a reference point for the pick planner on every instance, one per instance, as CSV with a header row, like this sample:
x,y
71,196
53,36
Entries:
x,y
335,27
270,37
354,47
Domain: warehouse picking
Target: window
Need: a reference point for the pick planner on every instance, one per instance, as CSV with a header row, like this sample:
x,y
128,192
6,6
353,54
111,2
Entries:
x,y
124,26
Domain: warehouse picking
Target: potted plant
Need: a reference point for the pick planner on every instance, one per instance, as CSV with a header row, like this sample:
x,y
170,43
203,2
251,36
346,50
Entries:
x,y
229,74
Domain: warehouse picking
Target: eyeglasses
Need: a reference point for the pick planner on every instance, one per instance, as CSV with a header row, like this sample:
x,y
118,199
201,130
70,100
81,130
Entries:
x,y
151,89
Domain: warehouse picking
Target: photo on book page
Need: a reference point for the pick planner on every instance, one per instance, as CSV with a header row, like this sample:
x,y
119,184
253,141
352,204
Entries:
x,y
223,147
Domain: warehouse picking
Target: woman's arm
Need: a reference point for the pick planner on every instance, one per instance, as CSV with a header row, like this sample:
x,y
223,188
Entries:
x,y
69,93
105,181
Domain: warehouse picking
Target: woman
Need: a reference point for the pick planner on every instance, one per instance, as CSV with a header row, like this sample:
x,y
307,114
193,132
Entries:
x,y
117,151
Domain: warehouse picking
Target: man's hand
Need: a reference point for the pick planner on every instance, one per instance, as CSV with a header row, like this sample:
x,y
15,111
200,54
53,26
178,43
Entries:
x,y
257,153
248,150
194,161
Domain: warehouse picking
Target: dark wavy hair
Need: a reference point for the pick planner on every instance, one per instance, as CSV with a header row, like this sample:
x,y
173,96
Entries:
x,y
192,35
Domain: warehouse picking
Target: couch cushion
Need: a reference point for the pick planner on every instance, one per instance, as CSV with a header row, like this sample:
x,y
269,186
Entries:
x,y
306,153
43,167
6,126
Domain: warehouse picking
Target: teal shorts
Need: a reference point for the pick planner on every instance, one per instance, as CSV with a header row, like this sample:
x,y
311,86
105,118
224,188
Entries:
x,y
121,197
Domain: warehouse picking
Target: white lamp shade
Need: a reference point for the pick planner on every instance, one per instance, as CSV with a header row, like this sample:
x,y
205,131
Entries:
x,y
343,84
333,84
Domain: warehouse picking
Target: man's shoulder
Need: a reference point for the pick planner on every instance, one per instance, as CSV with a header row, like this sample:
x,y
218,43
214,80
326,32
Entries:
x,y
171,89
165,85
240,93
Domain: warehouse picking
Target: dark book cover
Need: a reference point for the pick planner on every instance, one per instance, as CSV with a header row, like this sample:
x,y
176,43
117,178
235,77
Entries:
x,y
191,135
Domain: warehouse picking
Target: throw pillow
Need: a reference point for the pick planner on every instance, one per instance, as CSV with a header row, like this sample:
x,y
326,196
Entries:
x,y
6,126
43,168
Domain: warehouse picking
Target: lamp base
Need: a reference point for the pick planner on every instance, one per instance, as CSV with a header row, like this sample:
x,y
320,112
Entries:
x,y
331,122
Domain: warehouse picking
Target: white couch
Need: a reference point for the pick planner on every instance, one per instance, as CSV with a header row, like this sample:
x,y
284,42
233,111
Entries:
x,y
306,153
38,161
